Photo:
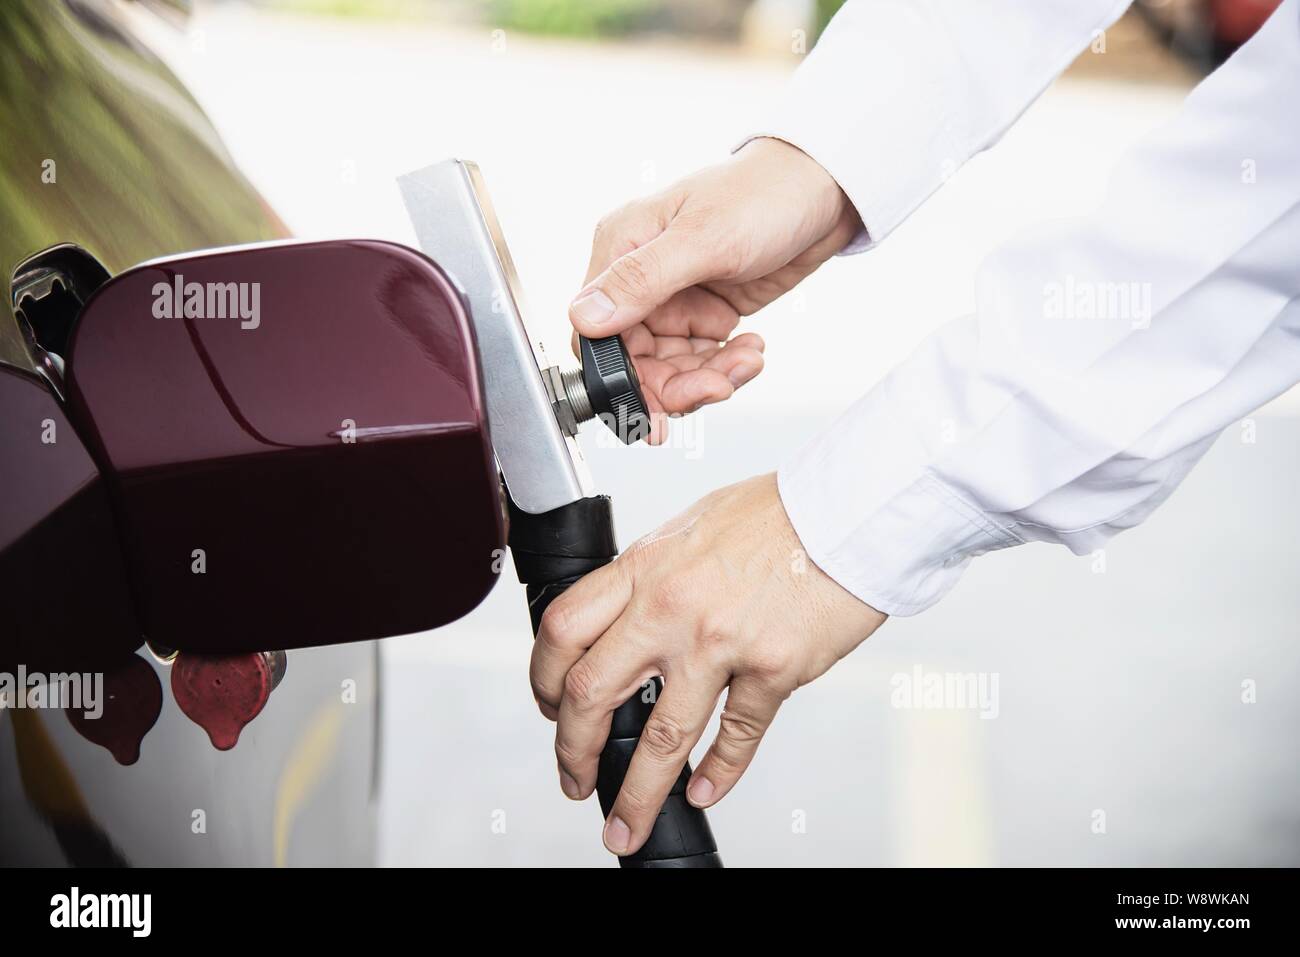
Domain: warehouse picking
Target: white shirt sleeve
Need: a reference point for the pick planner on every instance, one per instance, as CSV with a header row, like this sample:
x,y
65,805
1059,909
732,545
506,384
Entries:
x,y
898,94
1105,356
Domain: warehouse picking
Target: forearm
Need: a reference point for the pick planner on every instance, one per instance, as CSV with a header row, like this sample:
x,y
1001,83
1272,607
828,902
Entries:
x,y
1104,357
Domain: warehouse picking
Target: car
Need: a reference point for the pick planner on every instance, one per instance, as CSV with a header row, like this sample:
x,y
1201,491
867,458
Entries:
x,y
110,162
232,462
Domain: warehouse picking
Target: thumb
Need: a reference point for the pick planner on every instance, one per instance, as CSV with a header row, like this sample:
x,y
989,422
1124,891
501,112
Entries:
x,y
638,282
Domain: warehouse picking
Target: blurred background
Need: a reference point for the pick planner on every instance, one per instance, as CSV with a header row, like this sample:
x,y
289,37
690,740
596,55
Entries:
x,y
1146,703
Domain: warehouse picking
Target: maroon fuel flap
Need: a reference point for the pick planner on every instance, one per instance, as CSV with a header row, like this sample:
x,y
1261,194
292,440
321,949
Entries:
x,y
295,441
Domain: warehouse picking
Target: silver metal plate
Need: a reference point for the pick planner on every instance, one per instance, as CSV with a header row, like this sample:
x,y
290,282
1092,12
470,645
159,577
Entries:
x,y
458,229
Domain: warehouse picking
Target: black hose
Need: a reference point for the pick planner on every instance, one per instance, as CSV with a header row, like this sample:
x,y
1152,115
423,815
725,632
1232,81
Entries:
x,y
552,551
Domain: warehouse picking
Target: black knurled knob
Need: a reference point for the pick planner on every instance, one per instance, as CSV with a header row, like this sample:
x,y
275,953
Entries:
x,y
613,388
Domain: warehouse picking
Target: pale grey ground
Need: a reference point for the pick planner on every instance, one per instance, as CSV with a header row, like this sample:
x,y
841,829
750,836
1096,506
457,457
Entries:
x,y
1118,691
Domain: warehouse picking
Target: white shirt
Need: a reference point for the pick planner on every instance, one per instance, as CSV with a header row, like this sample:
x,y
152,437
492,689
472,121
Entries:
x,y
1105,355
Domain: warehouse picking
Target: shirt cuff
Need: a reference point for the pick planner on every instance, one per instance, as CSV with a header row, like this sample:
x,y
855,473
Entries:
x,y
873,517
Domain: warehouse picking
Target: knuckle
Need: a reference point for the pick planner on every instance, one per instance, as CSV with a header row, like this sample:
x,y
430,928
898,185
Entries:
x,y
717,631
582,685
540,691
635,801
738,729
726,759
567,755
606,231
634,274
663,737
609,225
669,596
557,625
770,663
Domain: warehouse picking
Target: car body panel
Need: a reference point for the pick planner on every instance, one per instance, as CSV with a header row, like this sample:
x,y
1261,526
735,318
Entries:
x,y
325,455
56,526
104,148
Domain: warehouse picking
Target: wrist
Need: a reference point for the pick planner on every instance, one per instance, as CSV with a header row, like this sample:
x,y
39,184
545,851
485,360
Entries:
x,y
788,162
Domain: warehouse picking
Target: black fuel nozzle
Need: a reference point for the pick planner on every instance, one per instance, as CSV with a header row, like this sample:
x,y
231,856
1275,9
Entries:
x,y
605,388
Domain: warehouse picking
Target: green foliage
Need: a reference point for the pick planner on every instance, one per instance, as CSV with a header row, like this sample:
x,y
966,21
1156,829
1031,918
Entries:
x,y
575,18
365,9
825,10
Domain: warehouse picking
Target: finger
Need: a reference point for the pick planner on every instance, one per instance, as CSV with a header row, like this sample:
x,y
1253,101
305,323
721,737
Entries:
x,y
640,281
675,724
689,320
683,382
704,347
673,391
747,340
659,427
658,417
687,391
695,311
601,680
738,360
571,625
639,340
665,347
745,718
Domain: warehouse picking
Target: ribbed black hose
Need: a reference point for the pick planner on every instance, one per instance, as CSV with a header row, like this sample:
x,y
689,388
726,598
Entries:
x,y
552,551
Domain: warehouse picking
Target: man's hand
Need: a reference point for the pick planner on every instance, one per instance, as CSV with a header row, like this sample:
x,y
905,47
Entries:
x,y
674,273
723,596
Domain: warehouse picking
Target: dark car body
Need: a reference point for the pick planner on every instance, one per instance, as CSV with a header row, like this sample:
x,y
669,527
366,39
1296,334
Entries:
x,y
104,149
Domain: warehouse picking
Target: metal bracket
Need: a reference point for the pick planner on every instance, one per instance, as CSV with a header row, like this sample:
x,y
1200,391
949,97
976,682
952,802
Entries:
x,y
457,228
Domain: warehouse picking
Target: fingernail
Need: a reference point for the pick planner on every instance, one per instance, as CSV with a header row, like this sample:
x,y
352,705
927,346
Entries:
x,y
617,835
593,307
569,786
700,791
